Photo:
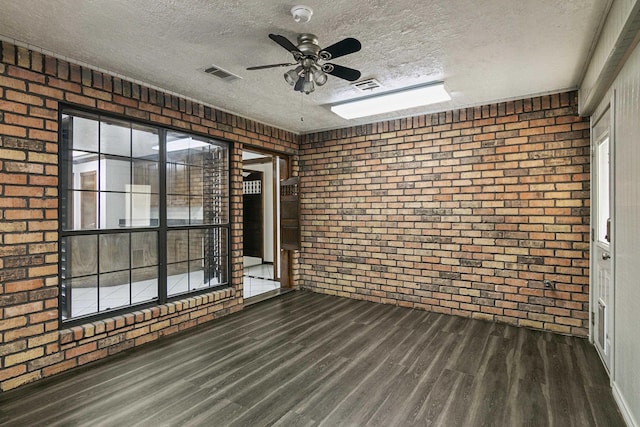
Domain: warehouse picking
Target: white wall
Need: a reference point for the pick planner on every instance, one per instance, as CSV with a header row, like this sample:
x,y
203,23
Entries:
x,y
617,33
626,236
614,73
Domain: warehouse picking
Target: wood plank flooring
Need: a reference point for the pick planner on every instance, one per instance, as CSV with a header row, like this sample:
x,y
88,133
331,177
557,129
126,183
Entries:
x,y
306,359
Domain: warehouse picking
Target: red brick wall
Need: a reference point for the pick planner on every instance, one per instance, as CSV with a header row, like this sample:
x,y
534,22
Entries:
x,y
465,212
32,85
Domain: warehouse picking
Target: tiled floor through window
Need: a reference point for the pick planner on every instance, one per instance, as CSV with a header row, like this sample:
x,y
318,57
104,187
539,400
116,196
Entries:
x,y
258,279
85,300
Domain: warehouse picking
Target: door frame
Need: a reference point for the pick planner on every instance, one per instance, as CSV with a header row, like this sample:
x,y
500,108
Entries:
x,y
282,262
605,108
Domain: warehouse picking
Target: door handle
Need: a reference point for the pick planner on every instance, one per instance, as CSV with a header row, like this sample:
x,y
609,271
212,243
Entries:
x,y
606,256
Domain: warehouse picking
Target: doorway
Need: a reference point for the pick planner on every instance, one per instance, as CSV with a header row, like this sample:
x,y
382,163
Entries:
x,y
261,244
602,301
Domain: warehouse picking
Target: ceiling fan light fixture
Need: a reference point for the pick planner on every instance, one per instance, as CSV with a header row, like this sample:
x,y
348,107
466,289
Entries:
x,y
416,96
318,76
308,86
309,74
293,75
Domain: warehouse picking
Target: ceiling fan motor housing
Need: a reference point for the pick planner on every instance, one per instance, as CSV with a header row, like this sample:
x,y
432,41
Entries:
x,y
308,45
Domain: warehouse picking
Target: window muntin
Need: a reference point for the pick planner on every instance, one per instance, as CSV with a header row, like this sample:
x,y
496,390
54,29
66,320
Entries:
x,y
114,217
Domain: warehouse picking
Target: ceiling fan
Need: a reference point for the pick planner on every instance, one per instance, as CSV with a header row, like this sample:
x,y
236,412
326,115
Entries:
x,y
308,73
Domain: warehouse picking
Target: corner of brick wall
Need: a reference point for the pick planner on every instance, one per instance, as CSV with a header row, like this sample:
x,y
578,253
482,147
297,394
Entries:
x,y
464,212
32,86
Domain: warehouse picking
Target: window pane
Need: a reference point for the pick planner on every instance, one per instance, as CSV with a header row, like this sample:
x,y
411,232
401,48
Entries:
x,y
177,210
114,252
177,246
195,210
177,147
216,191
113,212
144,249
220,156
215,242
177,179
177,278
115,138
84,295
215,209
197,277
196,240
155,210
140,205
209,154
81,254
114,290
85,166
223,270
144,284
110,178
85,134
208,272
115,174
80,210
217,270
146,142
146,173
185,149
200,153
196,180
602,198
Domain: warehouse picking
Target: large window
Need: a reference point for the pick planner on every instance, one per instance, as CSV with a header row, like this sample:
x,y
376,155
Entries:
x,y
144,214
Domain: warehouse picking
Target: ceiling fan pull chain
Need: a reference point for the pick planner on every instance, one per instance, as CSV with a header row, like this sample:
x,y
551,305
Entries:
x,y
301,107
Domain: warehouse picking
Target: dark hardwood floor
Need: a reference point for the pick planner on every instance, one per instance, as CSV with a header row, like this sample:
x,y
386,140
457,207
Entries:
x,y
308,359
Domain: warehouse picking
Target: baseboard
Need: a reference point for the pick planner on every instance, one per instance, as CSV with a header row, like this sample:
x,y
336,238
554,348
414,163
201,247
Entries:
x,y
624,408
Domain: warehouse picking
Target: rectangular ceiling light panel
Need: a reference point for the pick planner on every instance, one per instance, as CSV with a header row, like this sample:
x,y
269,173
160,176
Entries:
x,y
392,101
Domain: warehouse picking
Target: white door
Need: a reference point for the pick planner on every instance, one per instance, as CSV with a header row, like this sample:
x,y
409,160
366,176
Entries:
x,y
602,298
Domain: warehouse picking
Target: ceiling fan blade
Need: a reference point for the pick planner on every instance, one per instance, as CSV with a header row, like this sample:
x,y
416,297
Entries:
x,y
284,42
341,72
342,48
262,67
299,84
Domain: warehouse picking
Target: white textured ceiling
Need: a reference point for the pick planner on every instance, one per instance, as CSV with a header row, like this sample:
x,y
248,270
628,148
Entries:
x,y
484,50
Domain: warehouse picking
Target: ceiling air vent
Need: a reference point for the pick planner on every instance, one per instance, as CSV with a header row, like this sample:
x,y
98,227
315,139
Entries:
x,y
221,74
365,85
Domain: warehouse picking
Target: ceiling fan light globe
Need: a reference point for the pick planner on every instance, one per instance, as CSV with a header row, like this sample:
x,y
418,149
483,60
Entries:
x,y
291,77
308,87
320,77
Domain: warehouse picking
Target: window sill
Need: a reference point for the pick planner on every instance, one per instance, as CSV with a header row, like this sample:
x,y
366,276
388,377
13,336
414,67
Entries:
x,y
162,319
